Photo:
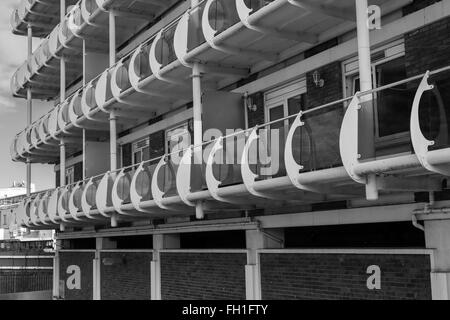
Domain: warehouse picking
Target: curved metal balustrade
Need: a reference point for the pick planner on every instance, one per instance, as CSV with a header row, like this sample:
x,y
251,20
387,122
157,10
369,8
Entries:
x,y
308,157
41,15
86,21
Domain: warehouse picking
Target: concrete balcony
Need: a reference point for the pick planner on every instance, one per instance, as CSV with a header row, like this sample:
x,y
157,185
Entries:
x,y
310,157
86,24
41,15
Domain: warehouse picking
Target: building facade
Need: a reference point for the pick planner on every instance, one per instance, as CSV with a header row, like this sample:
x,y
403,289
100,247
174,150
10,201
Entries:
x,y
240,149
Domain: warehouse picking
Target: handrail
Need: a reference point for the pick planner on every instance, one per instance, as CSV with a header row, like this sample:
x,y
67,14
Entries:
x,y
246,131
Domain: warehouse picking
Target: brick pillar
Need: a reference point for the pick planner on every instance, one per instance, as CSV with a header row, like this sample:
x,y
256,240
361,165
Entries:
x,y
160,241
259,239
437,237
100,244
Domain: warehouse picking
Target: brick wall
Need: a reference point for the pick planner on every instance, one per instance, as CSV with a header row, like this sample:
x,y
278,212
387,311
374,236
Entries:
x,y
427,48
200,276
84,261
332,89
128,278
343,276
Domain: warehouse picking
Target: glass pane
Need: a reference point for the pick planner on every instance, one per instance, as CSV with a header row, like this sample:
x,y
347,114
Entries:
x,y
294,106
146,154
394,104
276,113
137,157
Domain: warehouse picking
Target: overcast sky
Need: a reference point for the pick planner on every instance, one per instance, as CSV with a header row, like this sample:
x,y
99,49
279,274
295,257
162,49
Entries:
x,y
13,114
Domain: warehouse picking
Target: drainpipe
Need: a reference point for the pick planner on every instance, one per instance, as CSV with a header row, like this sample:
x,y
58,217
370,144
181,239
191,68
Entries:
x,y
29,104
112,115
366,114
198,127
427,210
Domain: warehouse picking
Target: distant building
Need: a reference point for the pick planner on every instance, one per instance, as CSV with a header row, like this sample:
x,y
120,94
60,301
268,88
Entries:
x,y
17,189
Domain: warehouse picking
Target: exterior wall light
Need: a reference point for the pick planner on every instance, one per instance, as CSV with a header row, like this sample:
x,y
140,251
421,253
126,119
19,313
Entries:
x,y
317,80
249,103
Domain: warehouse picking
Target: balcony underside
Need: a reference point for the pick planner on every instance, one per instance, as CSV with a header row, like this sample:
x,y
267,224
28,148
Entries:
x,y
41,15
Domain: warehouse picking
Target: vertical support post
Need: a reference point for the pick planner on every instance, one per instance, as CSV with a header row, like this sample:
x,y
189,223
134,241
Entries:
x,y
62,163
100,244
437,238
112,38
112,115
160,242
366,114
198,127
29,105
84,130
113,139
62,5
62,64
259,239
62,92
113,153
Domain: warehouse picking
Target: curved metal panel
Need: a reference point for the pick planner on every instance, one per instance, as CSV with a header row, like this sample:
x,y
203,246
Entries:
x,y
419,141
292,167
247,175
136,198
157,193
180,39
183,177
103,194
73,208
348,140
117,201
62,204
211,182
52,206
42,209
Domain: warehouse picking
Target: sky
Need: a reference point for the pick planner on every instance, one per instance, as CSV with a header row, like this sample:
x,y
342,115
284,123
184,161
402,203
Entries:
x,y
13,115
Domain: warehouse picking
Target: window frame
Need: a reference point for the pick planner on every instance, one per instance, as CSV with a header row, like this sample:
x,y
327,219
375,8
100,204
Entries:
x,y
135,149
70,172
392,51
298,88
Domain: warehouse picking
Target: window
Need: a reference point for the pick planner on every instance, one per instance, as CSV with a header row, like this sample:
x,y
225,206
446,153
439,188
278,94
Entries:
x,y
141,151
177,136
280,103
392,106
70,175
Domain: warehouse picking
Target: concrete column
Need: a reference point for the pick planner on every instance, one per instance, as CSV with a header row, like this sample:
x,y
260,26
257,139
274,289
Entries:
x,y
160,241
366,114
29,105
437,237
112,38
198,127
259,239
62,5
62,162
100,244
